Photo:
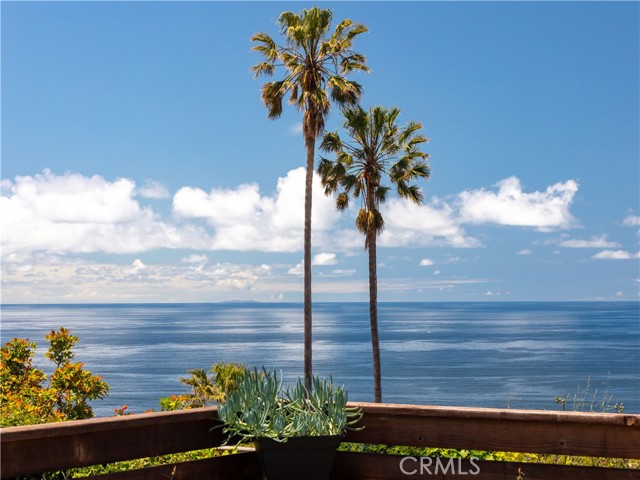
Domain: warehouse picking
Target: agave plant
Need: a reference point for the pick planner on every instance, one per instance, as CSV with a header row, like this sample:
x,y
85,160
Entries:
x,y
261,407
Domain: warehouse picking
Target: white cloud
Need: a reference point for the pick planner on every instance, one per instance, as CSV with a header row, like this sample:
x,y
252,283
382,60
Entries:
x,y
95,282
426,262
297,270
342,272
632,220
548,210
615,255
153,189
195,259
320,259
408,224
136,267
245,220
595,242
221,207
337,272
71,198
324,258
524,251
72,213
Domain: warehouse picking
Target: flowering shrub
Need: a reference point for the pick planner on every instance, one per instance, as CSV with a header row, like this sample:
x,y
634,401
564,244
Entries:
x,y
25,397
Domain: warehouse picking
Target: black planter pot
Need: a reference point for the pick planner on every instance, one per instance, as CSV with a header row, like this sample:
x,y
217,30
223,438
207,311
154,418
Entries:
x,y
309,458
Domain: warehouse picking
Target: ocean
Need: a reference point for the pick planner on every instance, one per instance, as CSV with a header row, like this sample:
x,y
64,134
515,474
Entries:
x,y
501,355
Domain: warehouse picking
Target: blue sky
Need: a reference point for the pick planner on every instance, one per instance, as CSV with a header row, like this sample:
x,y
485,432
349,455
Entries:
x,y
138,163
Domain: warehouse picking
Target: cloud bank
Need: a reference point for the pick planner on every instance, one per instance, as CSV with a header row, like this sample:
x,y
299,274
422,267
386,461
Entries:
x,y
72,214
243,219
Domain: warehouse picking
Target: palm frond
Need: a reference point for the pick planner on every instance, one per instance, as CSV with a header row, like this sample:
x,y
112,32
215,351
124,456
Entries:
x,y
272,94
265,39
330,185
291,61
402,188
381,194
416,140
358,188
369,221
325,168
331,142
330,175
358,29
294,98
345,159
343,91
342,201
288,19
350,182
264,68
399,169
421,169
355,61
411,192
340,28
413,154
362,221
414,193
408,132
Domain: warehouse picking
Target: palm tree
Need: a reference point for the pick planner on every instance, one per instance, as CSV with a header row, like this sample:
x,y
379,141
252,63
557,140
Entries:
x,y
378,148
315,64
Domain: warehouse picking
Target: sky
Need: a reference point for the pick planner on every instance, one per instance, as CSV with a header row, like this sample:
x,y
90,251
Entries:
x,y
139,165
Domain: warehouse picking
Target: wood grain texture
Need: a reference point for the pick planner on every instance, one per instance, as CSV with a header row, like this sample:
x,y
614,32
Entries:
x,y
50,447
56,446
589,434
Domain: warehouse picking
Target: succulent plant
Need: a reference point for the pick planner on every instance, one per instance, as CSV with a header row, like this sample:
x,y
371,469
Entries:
x,y
261,407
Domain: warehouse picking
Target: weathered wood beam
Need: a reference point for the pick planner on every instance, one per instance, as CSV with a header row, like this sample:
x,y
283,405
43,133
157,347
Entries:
x,y
532,431
50,447
57,446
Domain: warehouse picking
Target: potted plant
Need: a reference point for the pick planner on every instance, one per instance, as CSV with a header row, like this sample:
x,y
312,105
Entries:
x,y
295,431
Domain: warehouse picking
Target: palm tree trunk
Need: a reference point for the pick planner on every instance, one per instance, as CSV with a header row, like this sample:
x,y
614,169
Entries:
x,y
373,316
310,144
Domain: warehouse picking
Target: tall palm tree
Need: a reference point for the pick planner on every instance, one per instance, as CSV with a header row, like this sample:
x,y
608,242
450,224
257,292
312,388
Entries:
x,y
315,65
378,148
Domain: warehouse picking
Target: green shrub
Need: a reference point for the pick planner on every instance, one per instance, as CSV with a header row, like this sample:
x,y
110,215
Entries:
x,y
25,397
206,389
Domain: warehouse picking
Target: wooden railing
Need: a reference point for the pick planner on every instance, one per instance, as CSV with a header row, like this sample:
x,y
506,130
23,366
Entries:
x,y
52,447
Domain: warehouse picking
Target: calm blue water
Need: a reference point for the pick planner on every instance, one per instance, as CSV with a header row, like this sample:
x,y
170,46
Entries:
x,y
516,355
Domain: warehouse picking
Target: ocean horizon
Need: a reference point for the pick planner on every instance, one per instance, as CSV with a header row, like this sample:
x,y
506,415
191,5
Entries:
x,y
482,354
